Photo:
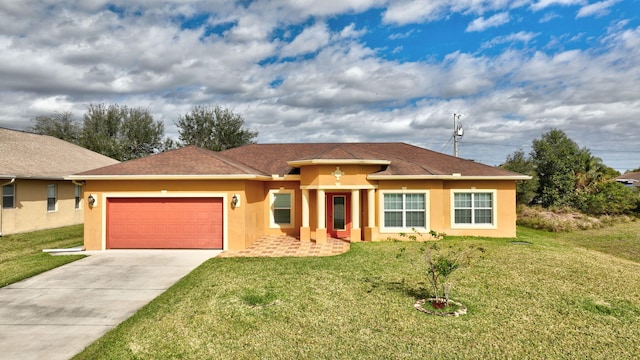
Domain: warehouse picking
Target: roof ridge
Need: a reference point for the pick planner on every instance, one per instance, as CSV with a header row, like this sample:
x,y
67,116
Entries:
x,y
234,163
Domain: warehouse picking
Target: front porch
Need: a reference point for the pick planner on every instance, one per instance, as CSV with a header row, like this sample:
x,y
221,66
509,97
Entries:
x,y
287,246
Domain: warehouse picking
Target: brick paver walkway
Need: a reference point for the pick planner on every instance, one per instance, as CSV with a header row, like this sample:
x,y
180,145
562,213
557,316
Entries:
x,y
282,245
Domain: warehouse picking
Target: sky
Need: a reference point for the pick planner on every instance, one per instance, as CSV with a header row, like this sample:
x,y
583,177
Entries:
x,y
341,70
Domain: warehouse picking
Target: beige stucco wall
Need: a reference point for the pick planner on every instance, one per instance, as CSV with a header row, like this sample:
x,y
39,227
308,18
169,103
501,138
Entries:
x,y
30,211
440,208
243,225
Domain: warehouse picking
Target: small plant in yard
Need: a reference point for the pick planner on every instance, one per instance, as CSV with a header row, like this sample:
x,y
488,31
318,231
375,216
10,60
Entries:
x,y
439,262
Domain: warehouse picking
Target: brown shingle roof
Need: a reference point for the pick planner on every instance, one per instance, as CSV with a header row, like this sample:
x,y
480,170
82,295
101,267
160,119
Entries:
x,y
188,160
404,159
27,155
632,178
273,159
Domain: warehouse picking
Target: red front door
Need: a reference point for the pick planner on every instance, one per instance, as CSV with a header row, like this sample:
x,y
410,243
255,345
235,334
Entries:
x,y
339,215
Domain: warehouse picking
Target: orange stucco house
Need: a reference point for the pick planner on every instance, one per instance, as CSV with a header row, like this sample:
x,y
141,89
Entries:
x,y
195,198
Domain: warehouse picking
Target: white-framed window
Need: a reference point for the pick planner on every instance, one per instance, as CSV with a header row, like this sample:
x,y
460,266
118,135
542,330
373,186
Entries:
x,y
9,196
282,209
404,210
78,196
473,208
52,197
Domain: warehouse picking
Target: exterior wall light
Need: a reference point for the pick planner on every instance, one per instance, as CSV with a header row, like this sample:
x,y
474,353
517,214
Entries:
x,y
93,200
235,200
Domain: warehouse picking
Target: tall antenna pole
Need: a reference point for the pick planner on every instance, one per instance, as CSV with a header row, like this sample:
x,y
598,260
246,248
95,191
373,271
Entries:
x,y
457,133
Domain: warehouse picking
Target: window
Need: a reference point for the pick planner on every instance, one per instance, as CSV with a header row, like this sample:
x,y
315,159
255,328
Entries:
x,y
9,196
52,194
404,210
473,208
78,195
281,208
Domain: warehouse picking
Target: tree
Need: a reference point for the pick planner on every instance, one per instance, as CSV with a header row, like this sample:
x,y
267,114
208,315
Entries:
x,y
526,190
555,156
61,125
122,133
214,128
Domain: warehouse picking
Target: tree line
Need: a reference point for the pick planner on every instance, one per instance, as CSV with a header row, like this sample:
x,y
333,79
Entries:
x,y
125,133
565,175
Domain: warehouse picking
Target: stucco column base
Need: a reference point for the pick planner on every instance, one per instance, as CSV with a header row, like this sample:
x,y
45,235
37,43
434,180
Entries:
x,y
305,234
370,233
355,235
321,236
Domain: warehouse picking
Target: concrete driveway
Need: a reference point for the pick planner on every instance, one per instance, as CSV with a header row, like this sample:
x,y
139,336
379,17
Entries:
x,y
56,314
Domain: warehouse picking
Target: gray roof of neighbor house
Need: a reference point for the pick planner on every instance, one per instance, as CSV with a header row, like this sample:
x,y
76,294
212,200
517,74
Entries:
x,y
266,160
631,178
32,156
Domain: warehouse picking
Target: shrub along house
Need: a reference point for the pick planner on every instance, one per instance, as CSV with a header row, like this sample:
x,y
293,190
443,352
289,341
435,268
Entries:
x,y
35,194
195,198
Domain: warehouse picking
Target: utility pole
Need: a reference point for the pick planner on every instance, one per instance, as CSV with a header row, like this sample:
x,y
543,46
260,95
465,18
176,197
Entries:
x,y
457,133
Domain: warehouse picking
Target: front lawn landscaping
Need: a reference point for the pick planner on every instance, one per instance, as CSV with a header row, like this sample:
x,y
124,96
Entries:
x,y
21,255
542,295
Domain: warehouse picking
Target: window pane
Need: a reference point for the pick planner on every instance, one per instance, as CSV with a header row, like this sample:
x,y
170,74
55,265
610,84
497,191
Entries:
x,y
7,190
463,216
51,204
282,216
392,219
392,201
483,216
482,200
462,200
51,191
7,202
281,201
414,201
415,219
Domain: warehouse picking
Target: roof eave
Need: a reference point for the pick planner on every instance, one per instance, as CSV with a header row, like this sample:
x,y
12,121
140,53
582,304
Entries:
x,y
446,177
298,163
170,177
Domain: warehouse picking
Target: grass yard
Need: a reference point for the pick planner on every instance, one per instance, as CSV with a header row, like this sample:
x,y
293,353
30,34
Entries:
x,y
21,255
573,296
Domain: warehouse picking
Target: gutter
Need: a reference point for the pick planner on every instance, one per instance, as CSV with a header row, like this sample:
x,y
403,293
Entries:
x,y
13,179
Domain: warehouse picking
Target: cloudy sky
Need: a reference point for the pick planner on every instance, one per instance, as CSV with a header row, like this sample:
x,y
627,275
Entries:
x,y
341,70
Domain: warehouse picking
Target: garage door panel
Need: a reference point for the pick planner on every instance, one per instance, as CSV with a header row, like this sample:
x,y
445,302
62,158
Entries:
x,y
164,223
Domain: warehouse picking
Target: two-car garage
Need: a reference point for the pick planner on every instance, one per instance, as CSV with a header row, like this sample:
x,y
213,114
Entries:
x,y
164,223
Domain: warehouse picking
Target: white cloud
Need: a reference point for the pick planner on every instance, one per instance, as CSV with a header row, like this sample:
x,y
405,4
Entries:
x,y
63,55
309,40
522,36
543,4
596,9
482,24
413,11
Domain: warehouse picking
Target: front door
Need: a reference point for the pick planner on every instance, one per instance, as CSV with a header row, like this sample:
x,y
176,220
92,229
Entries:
x,y
339,215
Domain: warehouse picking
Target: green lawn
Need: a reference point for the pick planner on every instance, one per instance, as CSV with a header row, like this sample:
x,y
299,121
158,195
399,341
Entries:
x,y
562,296
21,255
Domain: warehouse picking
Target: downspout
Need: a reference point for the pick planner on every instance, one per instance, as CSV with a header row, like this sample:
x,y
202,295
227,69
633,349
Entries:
x,y
1,185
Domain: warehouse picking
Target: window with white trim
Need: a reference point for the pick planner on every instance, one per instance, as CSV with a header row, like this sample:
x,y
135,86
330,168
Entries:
x,y
52,197
9,196
404,210
474,208
281,208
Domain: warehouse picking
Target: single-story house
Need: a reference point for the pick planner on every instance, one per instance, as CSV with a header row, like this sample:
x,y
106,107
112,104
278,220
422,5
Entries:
x,y
35,194
629,179
195,198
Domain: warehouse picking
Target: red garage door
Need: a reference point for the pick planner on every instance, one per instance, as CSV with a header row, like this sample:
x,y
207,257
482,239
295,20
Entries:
x,y
167,223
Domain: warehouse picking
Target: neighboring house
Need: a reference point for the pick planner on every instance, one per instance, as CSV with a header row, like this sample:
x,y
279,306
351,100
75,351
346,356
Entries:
x,y
35,194
195,198
630,179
